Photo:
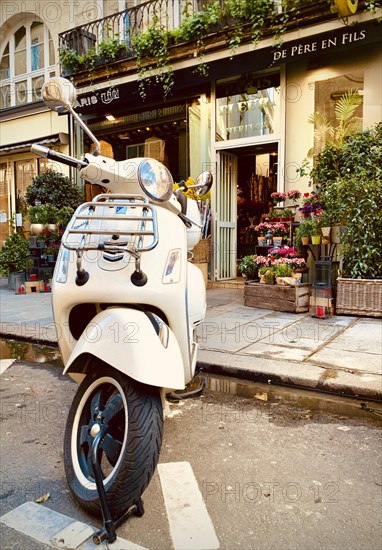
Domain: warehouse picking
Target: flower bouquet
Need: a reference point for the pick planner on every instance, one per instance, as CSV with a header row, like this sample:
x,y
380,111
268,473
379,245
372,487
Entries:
x,y
278,197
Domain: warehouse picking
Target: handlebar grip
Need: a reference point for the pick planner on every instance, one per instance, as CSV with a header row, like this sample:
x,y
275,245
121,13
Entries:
x,y
42,151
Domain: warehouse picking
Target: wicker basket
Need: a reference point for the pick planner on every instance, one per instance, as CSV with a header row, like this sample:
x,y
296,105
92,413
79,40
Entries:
x,y
359,297
202,252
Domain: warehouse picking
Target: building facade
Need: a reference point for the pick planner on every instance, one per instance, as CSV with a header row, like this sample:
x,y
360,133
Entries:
x,y
242,113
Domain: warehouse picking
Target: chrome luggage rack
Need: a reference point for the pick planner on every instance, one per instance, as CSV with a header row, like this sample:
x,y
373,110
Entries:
x,y
137,221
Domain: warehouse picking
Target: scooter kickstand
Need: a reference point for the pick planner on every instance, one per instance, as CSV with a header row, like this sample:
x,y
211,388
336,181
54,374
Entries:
x,y
109,526
108,531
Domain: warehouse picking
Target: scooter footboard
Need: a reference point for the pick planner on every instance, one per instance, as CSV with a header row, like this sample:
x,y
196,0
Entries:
x,y
130,341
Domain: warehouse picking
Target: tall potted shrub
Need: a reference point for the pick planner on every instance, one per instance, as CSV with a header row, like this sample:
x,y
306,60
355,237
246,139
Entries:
x,y
51,199
350,179
13,256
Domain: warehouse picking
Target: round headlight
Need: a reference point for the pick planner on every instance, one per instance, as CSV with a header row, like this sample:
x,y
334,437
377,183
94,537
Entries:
x,y
155,180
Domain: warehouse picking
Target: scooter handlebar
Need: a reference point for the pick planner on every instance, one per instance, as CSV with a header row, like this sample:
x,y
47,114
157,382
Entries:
x,y
42,151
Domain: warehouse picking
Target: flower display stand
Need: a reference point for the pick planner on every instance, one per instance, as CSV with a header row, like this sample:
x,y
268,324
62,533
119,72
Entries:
x,y
359,297
279,298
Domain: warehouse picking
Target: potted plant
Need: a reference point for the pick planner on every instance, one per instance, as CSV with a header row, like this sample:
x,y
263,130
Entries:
x,y
325,222
279,231
43,216
13,256
51,252
349,177
303,232
51,187
315,231
278,197
248,268
294,195
282,270
287,215
267,275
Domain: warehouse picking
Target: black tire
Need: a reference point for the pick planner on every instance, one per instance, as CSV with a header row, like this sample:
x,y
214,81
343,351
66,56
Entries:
x,y
129,450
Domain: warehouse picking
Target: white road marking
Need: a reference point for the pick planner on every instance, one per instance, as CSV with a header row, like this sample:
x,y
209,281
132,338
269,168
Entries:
x,y
5,364
191,527
57,530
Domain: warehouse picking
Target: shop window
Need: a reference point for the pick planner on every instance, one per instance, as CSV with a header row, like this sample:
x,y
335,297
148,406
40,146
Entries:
x,y
4,64
3,178
25,171
4,212
32,51
328,92
43,165
20,51
247,107
135,151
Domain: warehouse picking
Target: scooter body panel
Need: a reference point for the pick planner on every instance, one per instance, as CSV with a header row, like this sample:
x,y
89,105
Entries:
x,y
178,294
127,340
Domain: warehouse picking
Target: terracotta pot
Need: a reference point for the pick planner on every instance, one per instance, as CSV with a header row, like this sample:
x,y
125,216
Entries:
x,y
305,240
325,231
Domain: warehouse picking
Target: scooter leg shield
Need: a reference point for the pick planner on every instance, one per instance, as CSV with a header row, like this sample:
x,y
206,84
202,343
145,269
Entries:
x,y
127,340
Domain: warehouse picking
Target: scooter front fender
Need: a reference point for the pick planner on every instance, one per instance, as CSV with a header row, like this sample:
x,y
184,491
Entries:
x,y
128,340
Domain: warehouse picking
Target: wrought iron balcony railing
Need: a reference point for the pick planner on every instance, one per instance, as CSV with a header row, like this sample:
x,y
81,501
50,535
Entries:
x,y
110,38
117,29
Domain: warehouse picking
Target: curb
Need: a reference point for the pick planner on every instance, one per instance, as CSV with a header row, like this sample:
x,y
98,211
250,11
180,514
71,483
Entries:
x,y
306,377
254,369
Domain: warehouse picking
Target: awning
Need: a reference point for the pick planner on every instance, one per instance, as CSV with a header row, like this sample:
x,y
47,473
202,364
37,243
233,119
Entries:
x,y
23,146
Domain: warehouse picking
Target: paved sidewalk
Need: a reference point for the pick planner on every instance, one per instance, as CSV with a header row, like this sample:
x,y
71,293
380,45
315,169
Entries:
x,y
342,354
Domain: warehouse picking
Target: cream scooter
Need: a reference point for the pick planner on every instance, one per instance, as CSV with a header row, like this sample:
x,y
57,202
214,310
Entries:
x,y
126,303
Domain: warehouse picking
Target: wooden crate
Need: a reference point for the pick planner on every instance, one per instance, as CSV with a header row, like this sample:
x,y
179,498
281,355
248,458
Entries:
x,y
359,297
279,298
34,286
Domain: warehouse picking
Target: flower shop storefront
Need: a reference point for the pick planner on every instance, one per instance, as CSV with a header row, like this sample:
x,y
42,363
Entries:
x,y
335,238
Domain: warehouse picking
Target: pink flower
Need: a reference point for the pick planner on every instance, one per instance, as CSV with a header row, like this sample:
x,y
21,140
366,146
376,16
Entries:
x,y
278,197
294,194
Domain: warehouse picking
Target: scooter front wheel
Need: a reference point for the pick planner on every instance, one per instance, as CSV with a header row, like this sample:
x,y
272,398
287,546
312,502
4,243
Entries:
x,y
130,415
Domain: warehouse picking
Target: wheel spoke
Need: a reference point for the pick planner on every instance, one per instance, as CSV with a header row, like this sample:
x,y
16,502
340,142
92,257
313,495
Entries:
x,y
95,404
84,435
114,406
111,447
89,464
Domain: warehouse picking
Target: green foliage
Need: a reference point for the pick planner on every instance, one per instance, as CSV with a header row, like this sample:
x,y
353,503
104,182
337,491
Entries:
x,y
248,267
69,59
325,134
350,178
326,219
151,50
44,213
13,254
283,270
248,13
201,23
110,48
239,17
51,187
64,215
360,208
306,228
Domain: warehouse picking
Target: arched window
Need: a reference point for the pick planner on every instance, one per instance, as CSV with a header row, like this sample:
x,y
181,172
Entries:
x,y
26,62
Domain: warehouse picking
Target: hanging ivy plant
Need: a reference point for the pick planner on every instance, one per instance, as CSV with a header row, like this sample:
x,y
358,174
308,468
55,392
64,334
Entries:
x,y
151,50
198,26
252,14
